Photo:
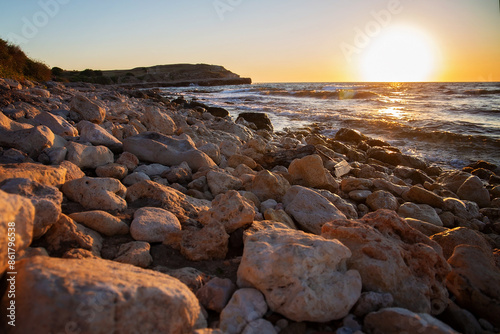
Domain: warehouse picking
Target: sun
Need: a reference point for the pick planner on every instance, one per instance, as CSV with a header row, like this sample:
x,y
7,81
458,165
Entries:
x,y
400,54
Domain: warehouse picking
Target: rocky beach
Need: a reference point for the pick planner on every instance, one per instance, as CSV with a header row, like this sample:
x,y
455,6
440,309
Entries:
x,y
129,211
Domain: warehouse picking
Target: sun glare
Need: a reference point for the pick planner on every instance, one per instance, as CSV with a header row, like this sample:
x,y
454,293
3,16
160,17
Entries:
x,y
401,54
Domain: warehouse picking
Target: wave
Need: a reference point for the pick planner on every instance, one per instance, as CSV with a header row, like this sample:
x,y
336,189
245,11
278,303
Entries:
x,y
341,94
482,92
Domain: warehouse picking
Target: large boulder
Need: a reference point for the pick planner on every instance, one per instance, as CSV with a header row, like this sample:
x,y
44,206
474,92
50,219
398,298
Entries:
x,y
96,135
473,281
261,120
393,257
268,185
220,181
48,175
309,209
422,212
99,296
47,201
473,190
157,121
166,150
245,306
309,172
101,221
231,210
57,124
153,224
17,215
89,156
303,276
97,193
452,238
170,199
397,320
83,108
32,141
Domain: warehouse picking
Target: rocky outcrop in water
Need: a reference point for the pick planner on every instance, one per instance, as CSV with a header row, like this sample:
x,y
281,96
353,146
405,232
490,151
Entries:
x,y
133,212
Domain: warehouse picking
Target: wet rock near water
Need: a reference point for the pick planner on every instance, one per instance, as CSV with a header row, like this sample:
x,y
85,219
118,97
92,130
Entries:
x,y
269,232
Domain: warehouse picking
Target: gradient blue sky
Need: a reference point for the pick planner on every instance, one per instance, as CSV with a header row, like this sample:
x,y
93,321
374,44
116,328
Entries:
x,y
270,41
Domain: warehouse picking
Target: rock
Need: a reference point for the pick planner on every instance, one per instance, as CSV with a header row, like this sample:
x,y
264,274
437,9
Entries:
x,y
261,120
56,124
78,253
89,156
192,277
395,158
236,159
285,157
259,326
158,121
101,222
13,155
351,184
212,151
231,210
46,200
97,193
17,215
309,209
48,175
424,196
152,169
393,257
473,190
371,302
218,112
179,174
399,320
155,147
128,160
416,176
395,189
134,178
114,171
460,319
73,172
381,199
245,306
32,140
84,109
422,212
43,93
350,135
471,281
114,298
452,180
426,228
452,238
341,168
216,293
268,185
97,136
348,209
359,195
153,224
303,276
135,253
66,234
309,172
53,155
229,148
209,243
220,182
281,217
182,206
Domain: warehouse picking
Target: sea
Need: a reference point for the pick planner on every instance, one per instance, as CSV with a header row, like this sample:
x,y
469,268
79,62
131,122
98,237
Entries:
x,y
448,124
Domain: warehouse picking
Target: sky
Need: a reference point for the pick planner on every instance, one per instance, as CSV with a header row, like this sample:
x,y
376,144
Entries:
x,y
267,40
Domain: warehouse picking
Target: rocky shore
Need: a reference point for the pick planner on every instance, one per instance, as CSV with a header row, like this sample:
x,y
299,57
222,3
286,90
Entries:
x,y
137,213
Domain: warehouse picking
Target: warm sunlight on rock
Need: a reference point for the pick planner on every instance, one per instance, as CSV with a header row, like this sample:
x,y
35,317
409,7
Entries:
x,y
400,54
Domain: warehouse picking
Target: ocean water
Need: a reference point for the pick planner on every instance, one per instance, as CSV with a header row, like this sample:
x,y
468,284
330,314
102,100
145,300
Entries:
x,y
450,124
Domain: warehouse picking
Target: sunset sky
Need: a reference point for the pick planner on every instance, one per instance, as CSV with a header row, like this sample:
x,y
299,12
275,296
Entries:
x,y
267,40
